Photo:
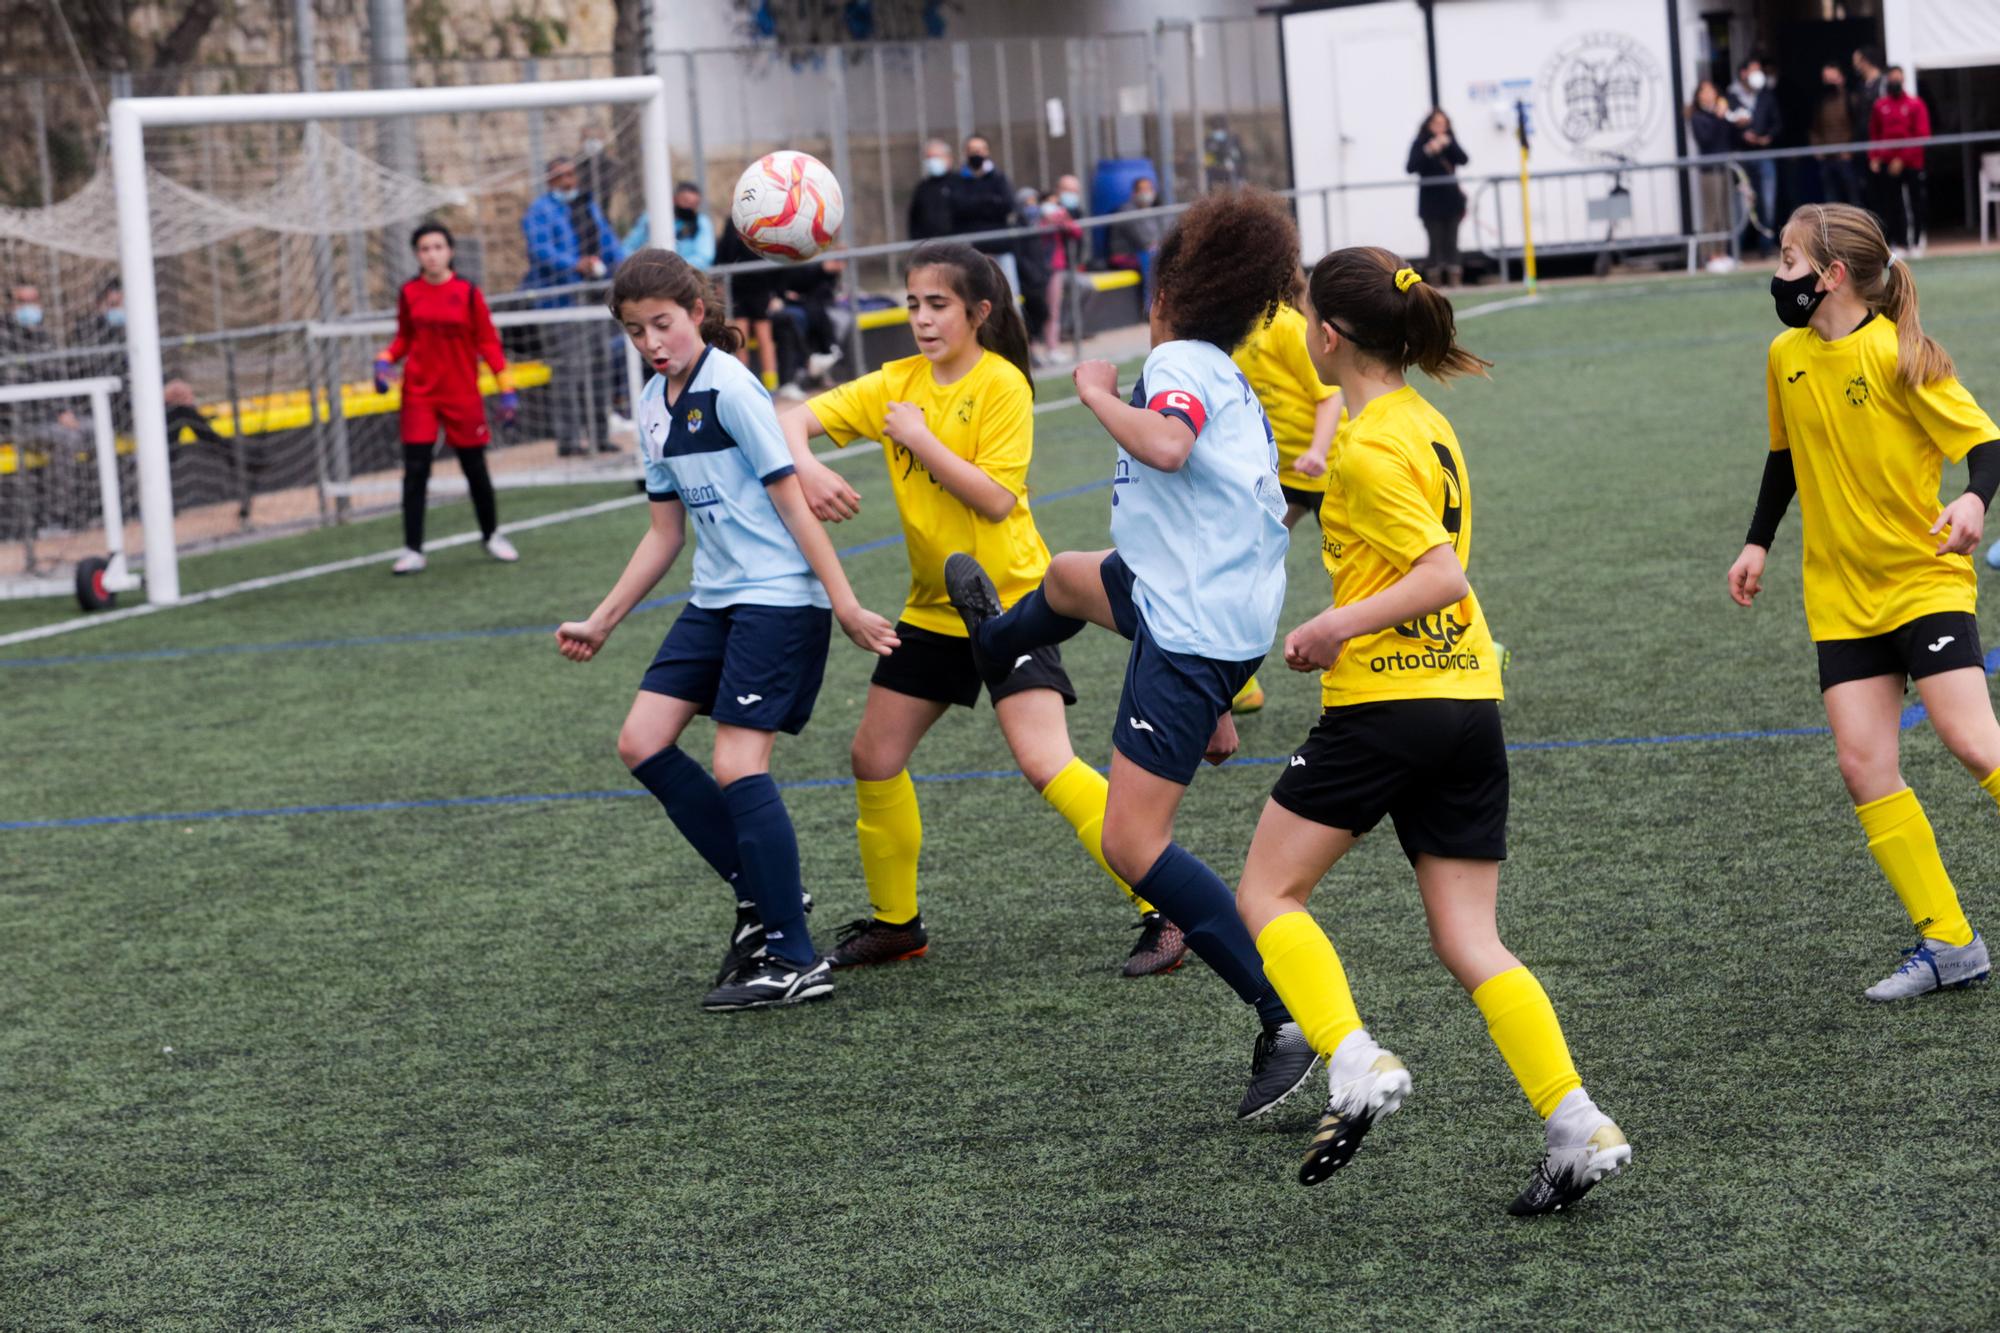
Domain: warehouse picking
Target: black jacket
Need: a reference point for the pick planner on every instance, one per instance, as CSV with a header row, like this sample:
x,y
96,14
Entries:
x,y
1711,133
1438,197
983,203
930,206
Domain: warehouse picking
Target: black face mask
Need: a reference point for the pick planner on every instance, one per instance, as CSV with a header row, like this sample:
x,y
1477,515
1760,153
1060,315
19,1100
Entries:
x,y
1796,299
683,215
976,161
1895,87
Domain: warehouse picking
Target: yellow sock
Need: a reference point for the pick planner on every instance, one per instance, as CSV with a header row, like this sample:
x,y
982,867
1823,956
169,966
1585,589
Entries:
x,y
1248,699
1078,793
1903,845
1991,782
770,381
891,833
1302,967
1523,1025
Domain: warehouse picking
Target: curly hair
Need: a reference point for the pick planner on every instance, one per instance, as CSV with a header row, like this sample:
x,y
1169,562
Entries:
x,y
1231,260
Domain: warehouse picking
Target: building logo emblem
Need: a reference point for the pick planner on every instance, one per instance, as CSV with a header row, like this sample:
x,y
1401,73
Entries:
x,y
1602,95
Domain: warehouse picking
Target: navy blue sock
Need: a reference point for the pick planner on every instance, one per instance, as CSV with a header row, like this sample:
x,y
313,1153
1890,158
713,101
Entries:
x,y
769,850
1195,899
1029,624
694,803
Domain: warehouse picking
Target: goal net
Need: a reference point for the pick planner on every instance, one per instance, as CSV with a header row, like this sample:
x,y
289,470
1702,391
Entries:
x,y
236,262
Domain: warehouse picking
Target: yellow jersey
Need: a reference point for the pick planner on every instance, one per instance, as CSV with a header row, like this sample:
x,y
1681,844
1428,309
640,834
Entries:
x,y
1274,360
987,418
1868,452
1396,488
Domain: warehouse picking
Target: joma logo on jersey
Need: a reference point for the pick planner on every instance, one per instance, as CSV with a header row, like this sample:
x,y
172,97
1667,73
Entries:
x,y
1857,391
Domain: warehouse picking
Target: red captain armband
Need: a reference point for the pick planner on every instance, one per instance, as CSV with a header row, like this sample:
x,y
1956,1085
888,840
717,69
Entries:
x,y
1181,405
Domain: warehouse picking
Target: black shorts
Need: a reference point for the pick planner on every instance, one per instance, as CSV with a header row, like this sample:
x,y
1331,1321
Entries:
x,y
939,667
1437,767
1942,641
746,666
1306,500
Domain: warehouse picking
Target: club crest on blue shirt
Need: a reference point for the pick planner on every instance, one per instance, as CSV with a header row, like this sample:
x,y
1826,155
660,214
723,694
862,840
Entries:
x,y
694,419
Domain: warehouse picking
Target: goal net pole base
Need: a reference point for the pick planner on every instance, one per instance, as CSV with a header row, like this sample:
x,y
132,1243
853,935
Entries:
x,y
118,575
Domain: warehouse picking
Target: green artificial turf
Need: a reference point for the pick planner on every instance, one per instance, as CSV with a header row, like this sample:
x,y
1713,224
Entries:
x,y
443,1066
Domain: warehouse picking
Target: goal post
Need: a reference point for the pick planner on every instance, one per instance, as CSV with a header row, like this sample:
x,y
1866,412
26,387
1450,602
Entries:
x,y
131,117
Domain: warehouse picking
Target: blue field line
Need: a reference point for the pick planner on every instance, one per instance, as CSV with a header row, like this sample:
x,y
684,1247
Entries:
x,y
797,784
431,636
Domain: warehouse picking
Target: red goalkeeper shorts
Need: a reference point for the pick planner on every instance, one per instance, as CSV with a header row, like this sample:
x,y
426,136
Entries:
x,y
464,424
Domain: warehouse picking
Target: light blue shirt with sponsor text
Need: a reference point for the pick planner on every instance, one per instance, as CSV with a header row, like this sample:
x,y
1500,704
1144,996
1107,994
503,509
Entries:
x,y
1206,543
716,450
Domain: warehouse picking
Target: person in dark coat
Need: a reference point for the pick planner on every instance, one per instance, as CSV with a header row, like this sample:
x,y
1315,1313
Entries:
x,y
983,200
1435,157
930,202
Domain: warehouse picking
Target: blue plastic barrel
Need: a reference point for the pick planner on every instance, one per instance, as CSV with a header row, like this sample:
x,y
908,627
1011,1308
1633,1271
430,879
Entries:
x,y
1112,186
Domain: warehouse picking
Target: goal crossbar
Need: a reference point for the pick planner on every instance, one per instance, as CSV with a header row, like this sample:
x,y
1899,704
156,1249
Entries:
x,y
131,117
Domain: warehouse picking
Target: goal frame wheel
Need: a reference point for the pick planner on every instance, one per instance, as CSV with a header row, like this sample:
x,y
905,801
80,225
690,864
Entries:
x,y
92,594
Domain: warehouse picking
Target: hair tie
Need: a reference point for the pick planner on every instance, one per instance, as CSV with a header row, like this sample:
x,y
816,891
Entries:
x,y
1407,278
1892,262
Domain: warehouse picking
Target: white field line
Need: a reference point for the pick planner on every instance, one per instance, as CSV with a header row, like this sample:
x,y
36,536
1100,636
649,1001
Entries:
x,y
1508,303
361,561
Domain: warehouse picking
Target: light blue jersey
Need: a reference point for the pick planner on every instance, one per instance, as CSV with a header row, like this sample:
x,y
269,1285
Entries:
x,y
715,450
1206,544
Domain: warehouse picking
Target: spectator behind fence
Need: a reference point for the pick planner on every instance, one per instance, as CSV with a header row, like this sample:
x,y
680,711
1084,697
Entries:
x,y
983,200
1899,172
602,174
930,202
694,230
1832,122
103,325
1060,209
1435,157
26,332
752,299
1031,263
1753,93
808,324
1132,242
1713,135
569,241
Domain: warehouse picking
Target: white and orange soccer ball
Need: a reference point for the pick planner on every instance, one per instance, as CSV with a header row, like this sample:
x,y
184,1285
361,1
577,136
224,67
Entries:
x,y
788,205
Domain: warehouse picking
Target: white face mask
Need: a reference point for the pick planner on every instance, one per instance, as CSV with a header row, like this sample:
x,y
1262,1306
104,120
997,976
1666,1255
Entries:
x,y
1754,81
592,147
936,166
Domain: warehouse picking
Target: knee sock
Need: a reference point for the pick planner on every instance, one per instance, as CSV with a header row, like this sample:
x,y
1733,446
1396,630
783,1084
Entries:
x,y
769,851
479,482
1305,972
416,481
1029,624
891,833
1903,845
1197,901
695,804
1078,793
1523,1025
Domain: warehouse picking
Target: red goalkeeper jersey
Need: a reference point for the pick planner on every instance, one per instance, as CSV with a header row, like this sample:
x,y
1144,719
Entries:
x,y
445,331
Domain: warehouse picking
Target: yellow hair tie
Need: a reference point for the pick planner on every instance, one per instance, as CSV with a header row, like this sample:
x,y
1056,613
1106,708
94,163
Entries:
x,y
1407,278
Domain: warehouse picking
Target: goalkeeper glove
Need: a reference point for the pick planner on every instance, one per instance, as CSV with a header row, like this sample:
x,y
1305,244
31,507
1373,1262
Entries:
x,y
510,407
384,369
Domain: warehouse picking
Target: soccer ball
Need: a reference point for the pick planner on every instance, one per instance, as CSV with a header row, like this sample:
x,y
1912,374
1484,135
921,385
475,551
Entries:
x,y
788,205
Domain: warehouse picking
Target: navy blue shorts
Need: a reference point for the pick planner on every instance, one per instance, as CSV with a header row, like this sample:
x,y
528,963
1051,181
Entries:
x,y
749,666
1171,701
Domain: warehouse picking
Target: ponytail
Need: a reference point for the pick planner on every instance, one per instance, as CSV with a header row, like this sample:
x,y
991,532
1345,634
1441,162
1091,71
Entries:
x,y
976,278
1919,358
654,274
1431,336
1384,308
1827,234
